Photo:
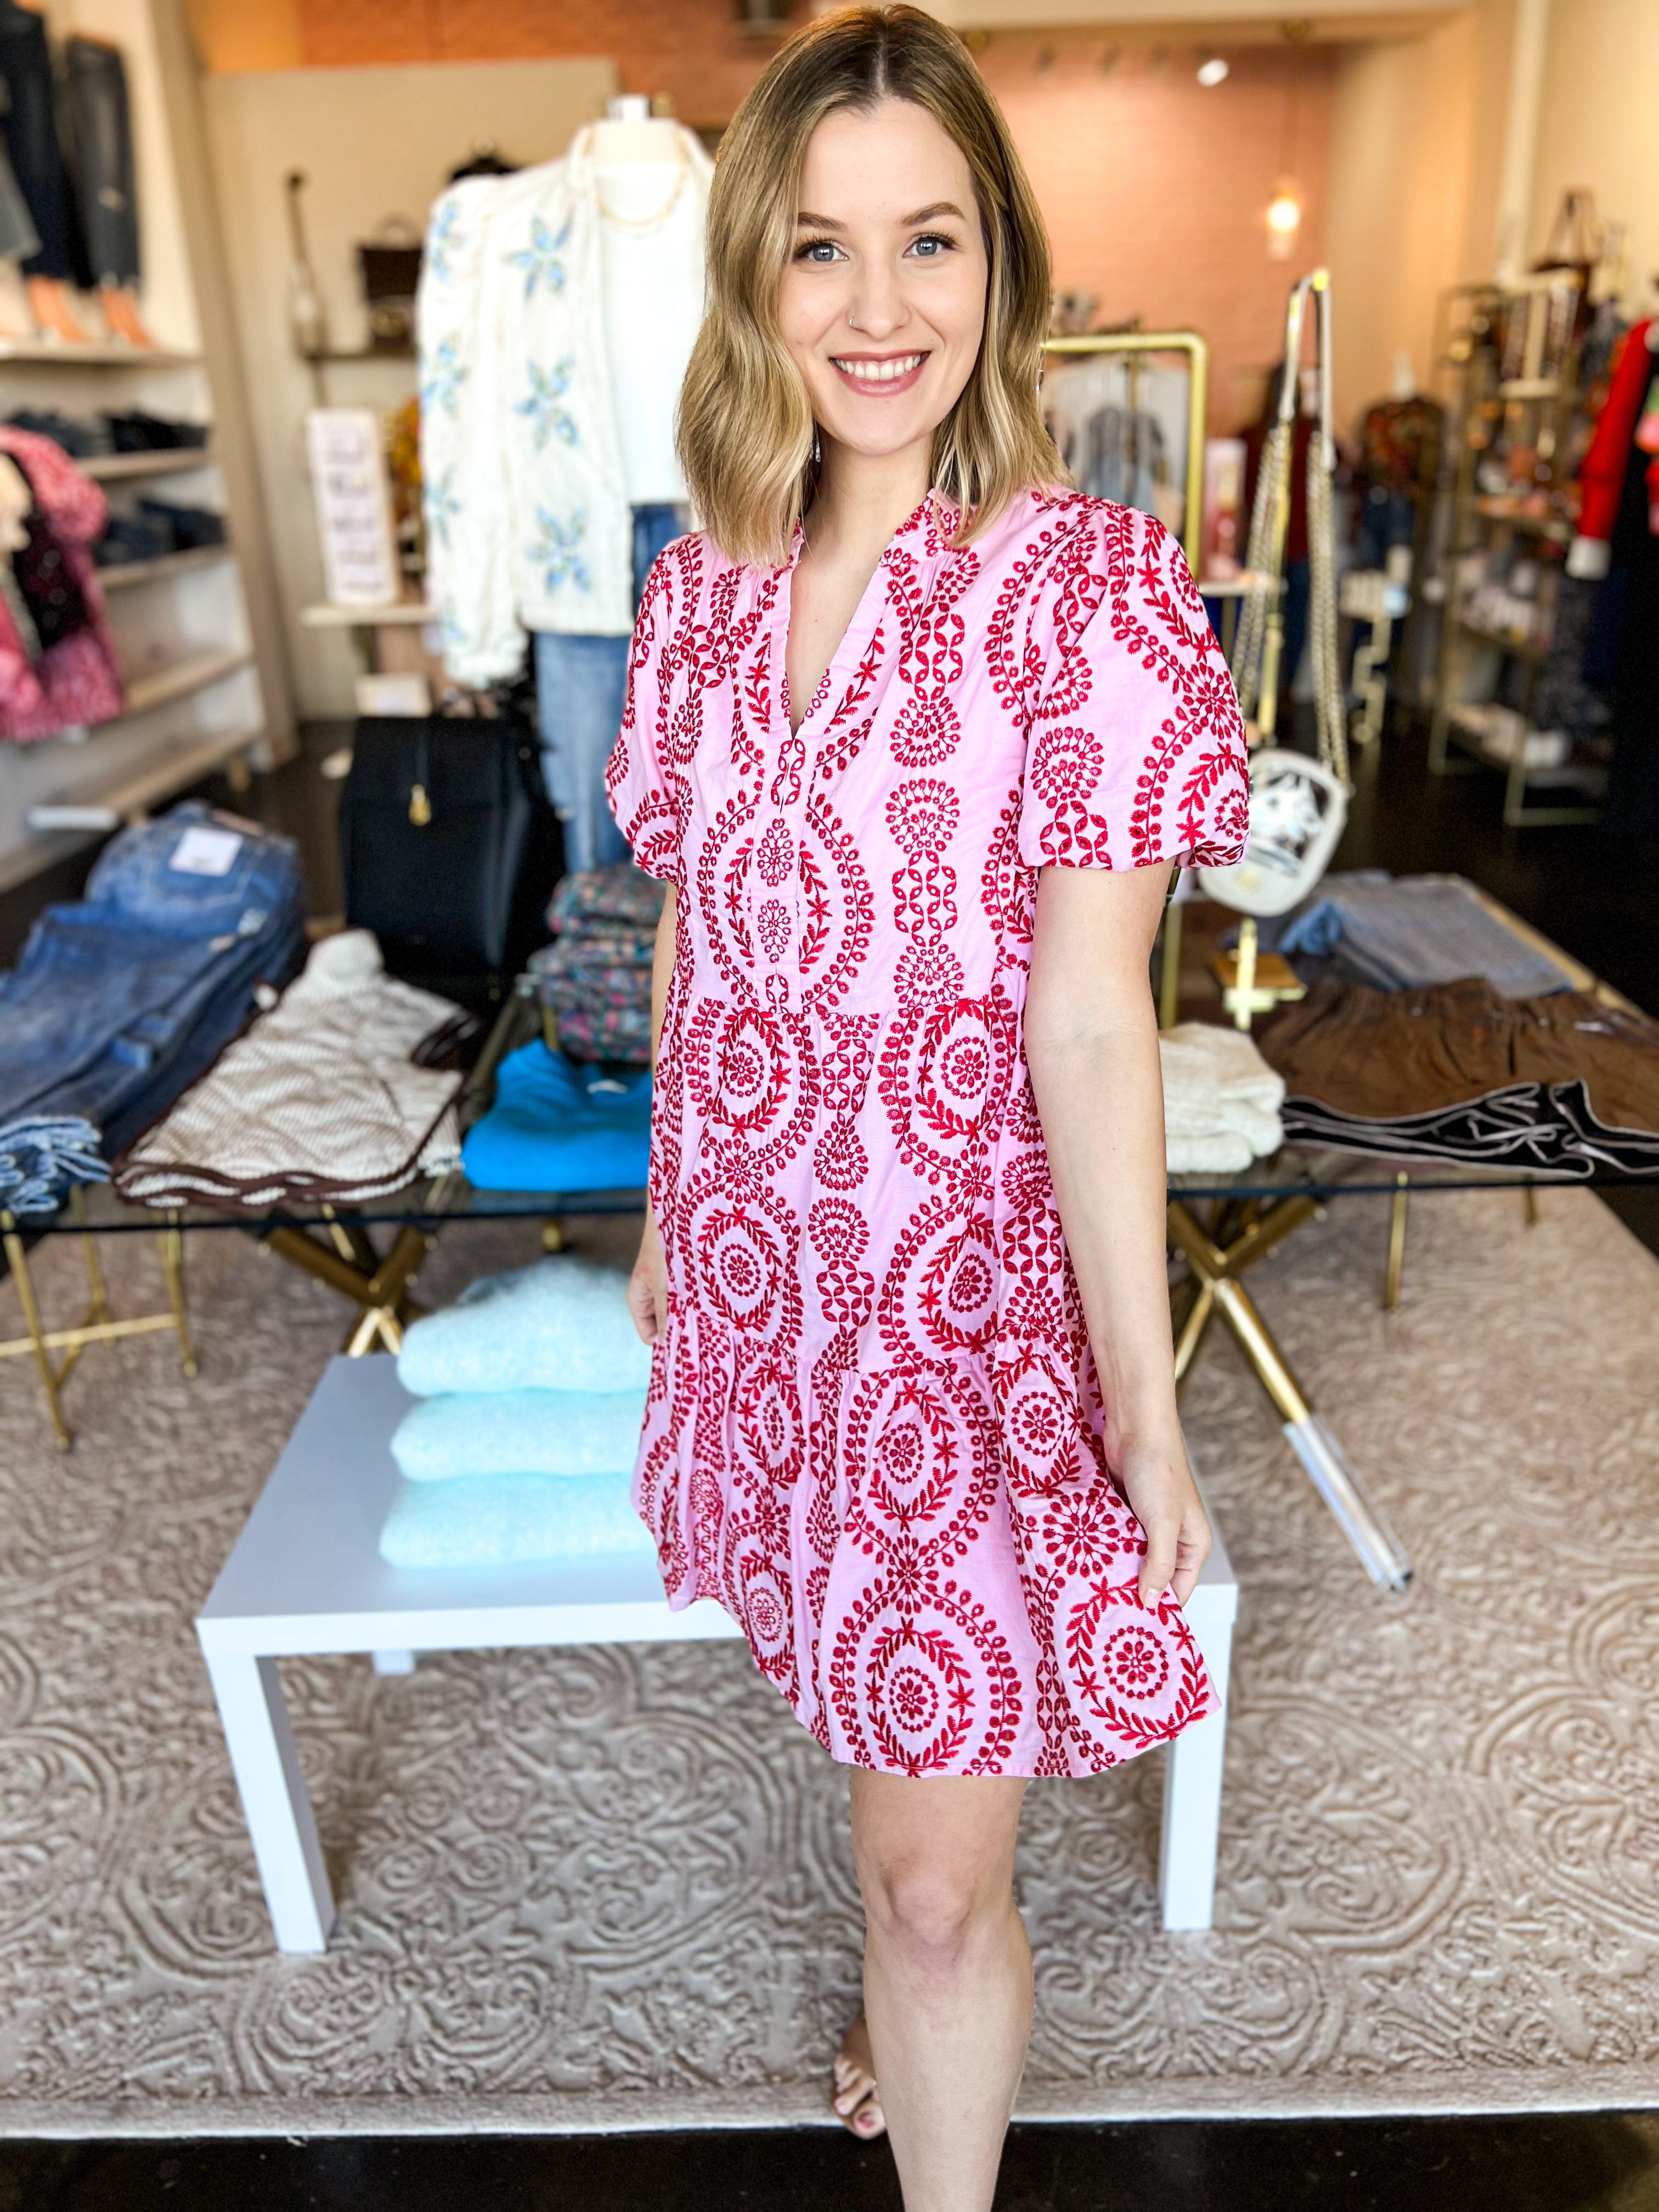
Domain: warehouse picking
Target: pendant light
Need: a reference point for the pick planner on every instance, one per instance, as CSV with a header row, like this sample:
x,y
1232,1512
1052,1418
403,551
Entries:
x,y
1284,211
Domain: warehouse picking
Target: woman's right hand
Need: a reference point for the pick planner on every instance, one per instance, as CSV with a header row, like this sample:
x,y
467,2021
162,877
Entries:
x,y
648,1286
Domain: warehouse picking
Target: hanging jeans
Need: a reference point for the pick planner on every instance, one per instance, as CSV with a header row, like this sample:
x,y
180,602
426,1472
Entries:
x,y
19,238
30,124
101,123
580,683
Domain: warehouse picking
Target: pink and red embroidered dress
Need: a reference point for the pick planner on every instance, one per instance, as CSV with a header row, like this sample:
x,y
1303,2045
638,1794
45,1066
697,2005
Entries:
x,y
873,1427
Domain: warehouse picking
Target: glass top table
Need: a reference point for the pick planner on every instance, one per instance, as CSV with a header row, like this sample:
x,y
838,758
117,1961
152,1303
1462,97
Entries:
x,y
1319,1172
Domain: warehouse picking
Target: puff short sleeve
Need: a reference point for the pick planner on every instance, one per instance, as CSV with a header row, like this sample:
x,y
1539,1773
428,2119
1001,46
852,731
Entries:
x,y
1136,746
636,782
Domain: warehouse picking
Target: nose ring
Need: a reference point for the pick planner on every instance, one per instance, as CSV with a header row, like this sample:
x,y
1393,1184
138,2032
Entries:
x,y
851,324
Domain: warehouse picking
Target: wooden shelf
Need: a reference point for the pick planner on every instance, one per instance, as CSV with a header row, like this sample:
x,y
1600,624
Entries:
x,y
1523,649
327,617
161,686
120,575
52,353
337,360
173,770
1492,509
1578,775
165,461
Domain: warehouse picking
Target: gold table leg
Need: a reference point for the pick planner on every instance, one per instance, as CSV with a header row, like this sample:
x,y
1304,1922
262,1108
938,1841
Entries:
x,y
383,1294
99,1325
17,1259
1168,974
172,1242
1396,1266
1214,1268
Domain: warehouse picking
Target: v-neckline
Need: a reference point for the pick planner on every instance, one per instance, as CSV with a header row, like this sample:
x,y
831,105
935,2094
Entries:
x,y
856,623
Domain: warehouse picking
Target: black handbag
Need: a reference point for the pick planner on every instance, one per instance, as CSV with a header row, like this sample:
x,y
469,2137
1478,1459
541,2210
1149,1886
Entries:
x,y
448,848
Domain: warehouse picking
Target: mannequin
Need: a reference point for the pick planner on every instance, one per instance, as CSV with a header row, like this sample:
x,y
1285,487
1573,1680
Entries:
x,y
631,133
650,263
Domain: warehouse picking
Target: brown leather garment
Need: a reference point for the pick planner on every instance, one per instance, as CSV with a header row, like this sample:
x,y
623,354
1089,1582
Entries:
x,y
1385,1055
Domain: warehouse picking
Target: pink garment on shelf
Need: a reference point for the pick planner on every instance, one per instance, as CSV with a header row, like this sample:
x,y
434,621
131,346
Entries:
x,y
874,1426
77,681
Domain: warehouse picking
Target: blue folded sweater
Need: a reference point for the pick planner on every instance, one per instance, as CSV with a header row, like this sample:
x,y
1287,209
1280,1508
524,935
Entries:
x,y
559,1126
562,1324
502,1519
563,1432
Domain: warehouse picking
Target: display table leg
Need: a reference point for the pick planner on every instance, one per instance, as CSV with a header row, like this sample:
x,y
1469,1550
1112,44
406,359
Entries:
x,y
1380,1551
1396,1267
273,1792
17,1261
1192,1778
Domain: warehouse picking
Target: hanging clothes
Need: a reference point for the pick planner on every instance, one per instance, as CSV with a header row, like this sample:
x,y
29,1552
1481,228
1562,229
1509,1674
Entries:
x,y
28,124
100,123
555,323
1601,473
579,687
58,670
1633,802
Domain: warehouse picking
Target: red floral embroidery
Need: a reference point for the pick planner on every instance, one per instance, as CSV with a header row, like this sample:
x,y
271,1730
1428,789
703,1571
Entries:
x,y
873,1426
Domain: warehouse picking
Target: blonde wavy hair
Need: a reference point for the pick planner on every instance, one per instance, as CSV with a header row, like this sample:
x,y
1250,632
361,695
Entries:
x,y
746,428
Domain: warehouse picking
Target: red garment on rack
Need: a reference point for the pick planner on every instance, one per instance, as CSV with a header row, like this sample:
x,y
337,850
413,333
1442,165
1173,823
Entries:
x,y
1602,474
77,681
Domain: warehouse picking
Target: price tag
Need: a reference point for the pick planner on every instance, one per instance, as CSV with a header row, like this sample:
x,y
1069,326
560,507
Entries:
x,y
201,851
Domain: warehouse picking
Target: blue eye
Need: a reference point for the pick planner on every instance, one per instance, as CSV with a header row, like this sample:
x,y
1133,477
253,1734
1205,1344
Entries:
x,y
932,244
819,251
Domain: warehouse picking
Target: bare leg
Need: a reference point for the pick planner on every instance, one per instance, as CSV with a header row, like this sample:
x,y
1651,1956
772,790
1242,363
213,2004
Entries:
x,y
947,1975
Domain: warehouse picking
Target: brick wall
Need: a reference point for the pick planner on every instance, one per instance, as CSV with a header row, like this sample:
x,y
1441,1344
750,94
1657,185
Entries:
x,y
1154,188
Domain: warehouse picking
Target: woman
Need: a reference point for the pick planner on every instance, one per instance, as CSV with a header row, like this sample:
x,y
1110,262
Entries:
x,y
914,735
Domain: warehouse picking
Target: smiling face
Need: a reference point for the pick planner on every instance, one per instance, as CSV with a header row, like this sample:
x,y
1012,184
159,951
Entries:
x,y
888,235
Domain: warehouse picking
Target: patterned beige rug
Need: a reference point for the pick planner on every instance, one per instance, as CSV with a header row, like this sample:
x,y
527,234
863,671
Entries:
x,y
611,1887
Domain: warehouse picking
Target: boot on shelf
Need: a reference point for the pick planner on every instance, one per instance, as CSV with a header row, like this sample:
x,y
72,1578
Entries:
x,y
49,307
121,304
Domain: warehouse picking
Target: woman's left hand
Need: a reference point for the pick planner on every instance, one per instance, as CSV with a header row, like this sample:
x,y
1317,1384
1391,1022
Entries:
x,y
1158,1484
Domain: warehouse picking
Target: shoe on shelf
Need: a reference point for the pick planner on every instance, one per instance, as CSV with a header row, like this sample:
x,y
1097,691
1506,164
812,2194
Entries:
x,y
49,307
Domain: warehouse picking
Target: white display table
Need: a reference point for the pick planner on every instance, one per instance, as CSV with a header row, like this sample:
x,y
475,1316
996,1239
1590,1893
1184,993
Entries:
x,y
305,1577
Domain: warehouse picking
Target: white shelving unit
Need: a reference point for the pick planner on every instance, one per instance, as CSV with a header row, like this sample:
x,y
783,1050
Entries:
x,y
196,630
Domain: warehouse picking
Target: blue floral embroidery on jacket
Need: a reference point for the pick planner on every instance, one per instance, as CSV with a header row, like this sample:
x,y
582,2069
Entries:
x,y
557,550
441,506
442,239
443,379
539,260
548,386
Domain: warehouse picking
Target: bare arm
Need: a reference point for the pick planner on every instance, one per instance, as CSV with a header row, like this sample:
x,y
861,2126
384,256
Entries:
x,y
648,1286
1091,1046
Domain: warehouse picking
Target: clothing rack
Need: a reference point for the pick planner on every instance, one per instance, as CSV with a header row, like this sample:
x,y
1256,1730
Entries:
x,y
1196,353
1131,345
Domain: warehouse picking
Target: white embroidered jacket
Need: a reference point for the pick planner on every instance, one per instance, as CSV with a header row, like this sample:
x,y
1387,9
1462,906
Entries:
x,y
528,518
